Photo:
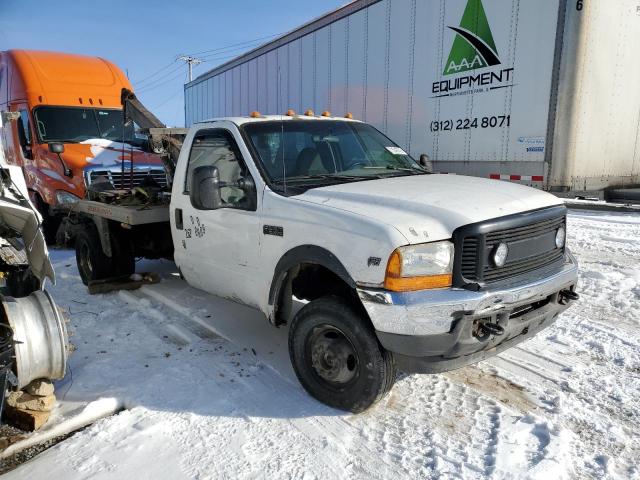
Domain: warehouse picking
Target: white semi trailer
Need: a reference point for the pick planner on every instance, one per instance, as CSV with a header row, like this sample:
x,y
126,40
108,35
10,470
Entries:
x,y
541,92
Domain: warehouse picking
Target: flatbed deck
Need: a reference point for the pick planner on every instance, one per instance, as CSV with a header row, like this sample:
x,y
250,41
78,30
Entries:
x,y
128,214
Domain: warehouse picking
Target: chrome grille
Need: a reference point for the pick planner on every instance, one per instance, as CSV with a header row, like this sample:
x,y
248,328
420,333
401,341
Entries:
x,y
129,179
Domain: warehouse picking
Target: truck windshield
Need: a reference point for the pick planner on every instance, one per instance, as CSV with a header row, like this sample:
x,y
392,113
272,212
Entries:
x,y
73,124
297,151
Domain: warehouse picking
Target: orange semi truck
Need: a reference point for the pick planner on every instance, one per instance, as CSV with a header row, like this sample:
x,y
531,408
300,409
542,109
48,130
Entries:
x,y
68,128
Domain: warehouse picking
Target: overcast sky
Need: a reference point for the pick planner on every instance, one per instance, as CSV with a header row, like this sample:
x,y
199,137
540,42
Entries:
x,y
145,37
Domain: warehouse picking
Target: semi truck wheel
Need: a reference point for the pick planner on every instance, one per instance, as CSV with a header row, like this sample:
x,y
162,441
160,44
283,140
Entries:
x,y
93,264
337,357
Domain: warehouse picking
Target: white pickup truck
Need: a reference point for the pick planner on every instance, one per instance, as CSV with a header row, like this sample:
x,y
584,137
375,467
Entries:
x,y
397,268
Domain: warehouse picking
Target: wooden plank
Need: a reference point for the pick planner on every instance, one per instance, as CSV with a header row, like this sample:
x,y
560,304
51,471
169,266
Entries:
x,y
26,420
122,283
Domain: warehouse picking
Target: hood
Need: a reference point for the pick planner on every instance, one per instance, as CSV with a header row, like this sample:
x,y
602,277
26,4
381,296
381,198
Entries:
x,y
99,152
428,208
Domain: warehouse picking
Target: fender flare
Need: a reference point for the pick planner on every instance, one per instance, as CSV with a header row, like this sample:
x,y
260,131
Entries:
x,y
296,256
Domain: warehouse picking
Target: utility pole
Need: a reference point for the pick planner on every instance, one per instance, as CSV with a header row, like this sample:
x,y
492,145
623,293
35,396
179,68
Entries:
x,y
191,61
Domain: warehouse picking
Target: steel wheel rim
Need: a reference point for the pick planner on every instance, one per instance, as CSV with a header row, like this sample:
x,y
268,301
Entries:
x,y
332,357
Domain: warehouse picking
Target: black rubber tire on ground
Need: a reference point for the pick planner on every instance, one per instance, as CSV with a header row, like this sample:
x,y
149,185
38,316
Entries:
x,y
374,371
93,264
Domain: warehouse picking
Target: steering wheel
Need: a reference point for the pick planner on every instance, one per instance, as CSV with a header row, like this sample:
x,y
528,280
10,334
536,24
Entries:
x,y
359,163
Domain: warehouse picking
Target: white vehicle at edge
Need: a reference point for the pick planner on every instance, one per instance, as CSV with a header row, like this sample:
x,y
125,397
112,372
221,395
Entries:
x,y
401,268
38,329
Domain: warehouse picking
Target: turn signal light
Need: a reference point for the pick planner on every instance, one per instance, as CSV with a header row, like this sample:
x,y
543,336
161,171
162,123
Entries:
x,y
395,282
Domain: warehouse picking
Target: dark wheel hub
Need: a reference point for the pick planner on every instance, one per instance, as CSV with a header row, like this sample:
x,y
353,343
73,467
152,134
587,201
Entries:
x,y
333,357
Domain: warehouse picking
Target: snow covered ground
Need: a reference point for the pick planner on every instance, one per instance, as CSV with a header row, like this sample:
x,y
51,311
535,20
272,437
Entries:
x,y
209,393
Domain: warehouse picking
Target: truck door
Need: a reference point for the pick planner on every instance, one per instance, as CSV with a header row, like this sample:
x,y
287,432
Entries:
x,y
217,250
18,135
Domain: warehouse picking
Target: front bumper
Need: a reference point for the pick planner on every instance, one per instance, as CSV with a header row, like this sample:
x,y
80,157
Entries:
x,y
437,330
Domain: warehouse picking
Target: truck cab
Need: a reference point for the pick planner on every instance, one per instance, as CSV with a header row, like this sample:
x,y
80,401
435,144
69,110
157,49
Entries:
x,y
69,130
396,267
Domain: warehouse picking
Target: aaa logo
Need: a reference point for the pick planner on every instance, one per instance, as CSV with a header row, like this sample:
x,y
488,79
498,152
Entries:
x,y
473,46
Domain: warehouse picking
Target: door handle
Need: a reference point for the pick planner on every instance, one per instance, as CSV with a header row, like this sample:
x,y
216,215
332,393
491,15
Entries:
x,y
178,214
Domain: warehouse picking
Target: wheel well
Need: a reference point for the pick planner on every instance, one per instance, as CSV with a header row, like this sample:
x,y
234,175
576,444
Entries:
x,y
310,281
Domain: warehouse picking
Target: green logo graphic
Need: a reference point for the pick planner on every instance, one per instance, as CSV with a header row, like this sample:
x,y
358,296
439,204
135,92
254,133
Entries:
x,y
473,46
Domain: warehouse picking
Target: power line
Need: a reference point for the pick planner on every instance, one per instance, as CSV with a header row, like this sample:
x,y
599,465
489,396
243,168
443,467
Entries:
x,y
210,55
153,87
236,44
160,78
154,73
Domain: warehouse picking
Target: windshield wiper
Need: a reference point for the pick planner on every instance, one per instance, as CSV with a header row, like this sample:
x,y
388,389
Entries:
x,y
413,171
329,176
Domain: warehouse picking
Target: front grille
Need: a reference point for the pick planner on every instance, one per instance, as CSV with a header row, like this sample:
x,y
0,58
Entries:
x,y
531,238
129,179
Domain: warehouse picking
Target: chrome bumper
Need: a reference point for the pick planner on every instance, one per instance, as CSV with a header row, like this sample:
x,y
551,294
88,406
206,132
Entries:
x,y
432,312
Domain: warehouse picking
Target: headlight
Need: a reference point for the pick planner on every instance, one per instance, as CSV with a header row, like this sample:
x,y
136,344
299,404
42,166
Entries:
x,y
66,198
420,267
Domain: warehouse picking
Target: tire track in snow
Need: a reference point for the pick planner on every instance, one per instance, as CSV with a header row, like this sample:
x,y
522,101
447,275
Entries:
x,y
317,429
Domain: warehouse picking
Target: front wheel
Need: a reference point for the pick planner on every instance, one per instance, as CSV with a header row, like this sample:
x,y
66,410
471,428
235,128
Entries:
x,y
337,357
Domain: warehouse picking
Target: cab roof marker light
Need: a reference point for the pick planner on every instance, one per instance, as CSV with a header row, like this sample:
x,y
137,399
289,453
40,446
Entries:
x,y
291,113
349,115
309,113
326,113
255,114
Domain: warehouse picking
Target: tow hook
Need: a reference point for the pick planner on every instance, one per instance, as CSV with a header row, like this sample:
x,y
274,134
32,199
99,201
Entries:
x,y
568,296
484,329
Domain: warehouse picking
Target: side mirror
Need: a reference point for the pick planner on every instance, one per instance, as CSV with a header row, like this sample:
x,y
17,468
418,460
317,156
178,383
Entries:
x,y
425,163
205,188
56,148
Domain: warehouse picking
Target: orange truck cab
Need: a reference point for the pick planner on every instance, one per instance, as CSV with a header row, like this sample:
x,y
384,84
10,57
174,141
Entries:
x,y
68,128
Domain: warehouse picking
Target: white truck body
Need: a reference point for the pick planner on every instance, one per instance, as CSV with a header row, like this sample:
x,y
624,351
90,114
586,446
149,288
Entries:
x,y
547,97
430,271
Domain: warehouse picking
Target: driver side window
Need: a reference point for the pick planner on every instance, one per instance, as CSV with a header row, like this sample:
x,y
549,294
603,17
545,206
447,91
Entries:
x,y
217,148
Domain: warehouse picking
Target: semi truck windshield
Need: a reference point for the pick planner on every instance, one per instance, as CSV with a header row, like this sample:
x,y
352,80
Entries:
x,y
73,125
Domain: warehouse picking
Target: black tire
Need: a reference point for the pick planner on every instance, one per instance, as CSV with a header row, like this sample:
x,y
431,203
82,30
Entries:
x,y
337,357
123,256
50,223
93,264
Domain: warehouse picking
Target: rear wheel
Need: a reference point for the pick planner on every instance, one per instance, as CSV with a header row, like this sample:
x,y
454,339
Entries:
x,y
337,357
92,262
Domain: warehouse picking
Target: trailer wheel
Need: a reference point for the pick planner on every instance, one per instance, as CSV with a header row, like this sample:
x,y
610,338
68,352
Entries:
x,y
337,357
92,263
